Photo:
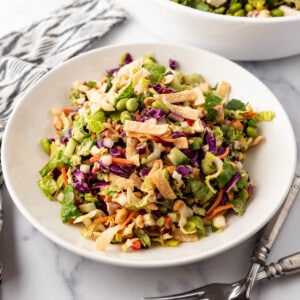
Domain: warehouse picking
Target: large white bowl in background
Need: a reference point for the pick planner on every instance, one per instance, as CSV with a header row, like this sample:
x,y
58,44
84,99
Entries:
x,y
271,164
237,38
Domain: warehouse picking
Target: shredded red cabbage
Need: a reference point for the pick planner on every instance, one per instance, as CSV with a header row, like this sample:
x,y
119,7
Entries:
x,y
122,170
161,89
113,71
144,172
235,178
128,58
184,170
211,141
178,134
115,152
172,64
157,114
175,117
141,149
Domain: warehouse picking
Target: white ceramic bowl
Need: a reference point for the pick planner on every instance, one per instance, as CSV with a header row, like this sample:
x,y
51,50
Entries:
x,y
237,38
22,157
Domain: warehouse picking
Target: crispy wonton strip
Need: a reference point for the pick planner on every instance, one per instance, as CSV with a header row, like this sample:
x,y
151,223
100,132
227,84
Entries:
x,y
162,184
131,147
181,143
187,95
146,128
223,90
137,181
121,182
185,111
139,75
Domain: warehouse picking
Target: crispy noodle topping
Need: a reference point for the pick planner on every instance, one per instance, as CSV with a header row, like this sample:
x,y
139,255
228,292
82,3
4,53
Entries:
x,y
148,155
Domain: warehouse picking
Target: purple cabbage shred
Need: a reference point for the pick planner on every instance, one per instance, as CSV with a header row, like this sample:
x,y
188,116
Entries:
x,y
172,63
235,178
184,170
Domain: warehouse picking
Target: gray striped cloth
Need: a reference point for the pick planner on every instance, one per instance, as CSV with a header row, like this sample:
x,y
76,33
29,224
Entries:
x,y
28,54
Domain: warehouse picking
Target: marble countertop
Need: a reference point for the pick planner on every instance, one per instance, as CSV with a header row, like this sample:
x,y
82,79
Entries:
x,y
37,268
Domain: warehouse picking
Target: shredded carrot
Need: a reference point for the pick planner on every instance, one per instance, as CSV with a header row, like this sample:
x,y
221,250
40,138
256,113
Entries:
x,y
67,110
93,135
104,219
225,153
64,176
120,161
249,114
95,157
136,244
162,139
171,169
216,202
129,218
218,210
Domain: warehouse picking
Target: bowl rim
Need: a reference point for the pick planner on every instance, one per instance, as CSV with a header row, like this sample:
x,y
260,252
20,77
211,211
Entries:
x,y
219,17
123,261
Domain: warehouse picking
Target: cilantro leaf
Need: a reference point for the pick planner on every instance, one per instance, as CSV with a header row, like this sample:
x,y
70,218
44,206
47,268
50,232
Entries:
x,y
210,102
235,104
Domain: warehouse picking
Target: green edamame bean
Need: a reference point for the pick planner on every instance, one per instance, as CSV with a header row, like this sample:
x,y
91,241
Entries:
x,y
45,144
132,104
160,105
160,221
121,105
125,115
251,131
249,7
234,8
239,13
260,6
202,6
220,10
276,12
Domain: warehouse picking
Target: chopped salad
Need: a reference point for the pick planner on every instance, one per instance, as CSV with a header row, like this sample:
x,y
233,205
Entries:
x,y
148,155
246,8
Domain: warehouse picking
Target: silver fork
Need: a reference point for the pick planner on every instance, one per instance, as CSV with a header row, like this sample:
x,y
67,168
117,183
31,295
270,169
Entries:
x,y
241,290
220,291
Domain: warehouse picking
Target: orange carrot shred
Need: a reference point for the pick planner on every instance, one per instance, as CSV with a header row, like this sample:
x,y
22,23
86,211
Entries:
x,y
64,176
218,210
120,161
129,218
225,153
95,157
93,135
67,110
104,219
216,202
249,114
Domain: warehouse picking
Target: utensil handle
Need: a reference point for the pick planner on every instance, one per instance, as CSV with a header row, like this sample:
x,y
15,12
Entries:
x,y
285,266
270,232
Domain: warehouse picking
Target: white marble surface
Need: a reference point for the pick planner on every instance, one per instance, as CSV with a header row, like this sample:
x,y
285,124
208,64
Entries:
x,y
36,268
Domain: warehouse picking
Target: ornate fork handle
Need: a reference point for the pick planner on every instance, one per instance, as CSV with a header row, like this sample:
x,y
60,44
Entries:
x,y
285,266
269,234
272,229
